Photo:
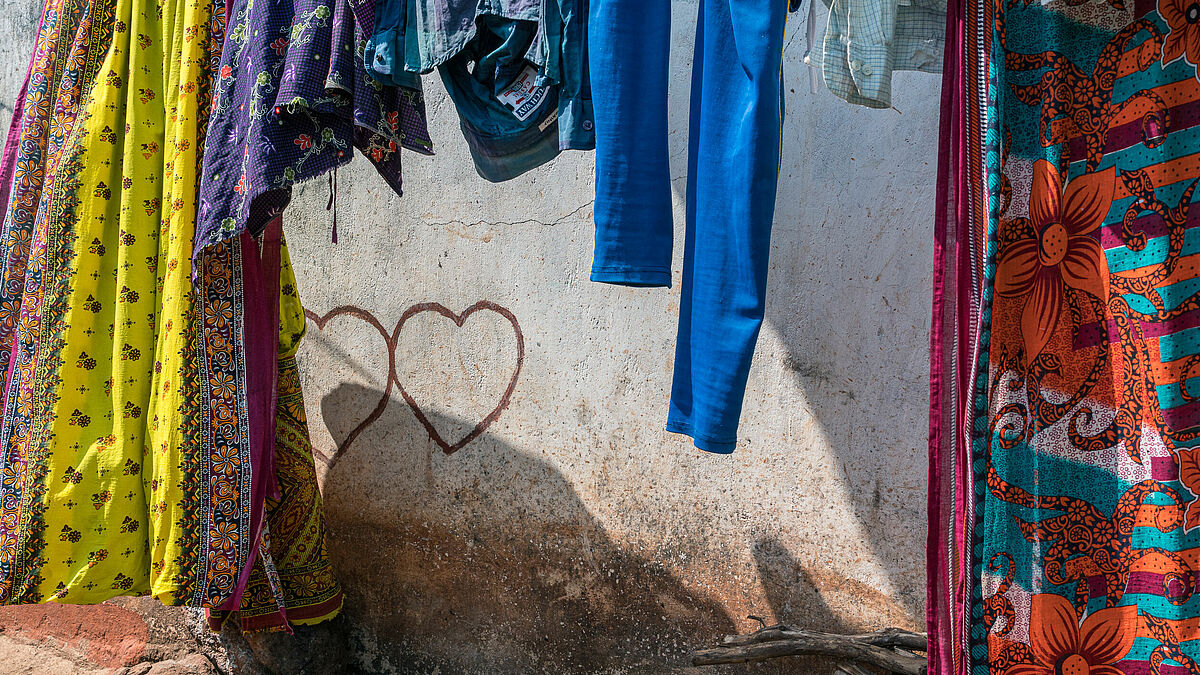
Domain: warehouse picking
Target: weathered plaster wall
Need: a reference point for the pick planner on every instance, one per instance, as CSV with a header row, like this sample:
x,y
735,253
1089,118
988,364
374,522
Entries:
x,y
573,533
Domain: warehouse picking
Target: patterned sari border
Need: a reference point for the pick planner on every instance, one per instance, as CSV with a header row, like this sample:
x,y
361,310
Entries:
x,y
225,428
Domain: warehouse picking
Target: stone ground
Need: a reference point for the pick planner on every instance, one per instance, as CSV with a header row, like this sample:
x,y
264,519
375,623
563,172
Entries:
x,y
138,636
128,636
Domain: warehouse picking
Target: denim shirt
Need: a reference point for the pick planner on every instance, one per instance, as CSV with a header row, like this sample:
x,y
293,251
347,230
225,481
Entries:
x,y
483,47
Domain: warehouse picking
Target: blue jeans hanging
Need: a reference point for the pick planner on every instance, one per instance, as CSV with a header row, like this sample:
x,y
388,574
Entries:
x,y
733,168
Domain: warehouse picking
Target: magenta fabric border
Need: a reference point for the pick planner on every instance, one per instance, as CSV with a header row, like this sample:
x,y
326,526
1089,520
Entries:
x,y
945,507
261,343
8,168
7,165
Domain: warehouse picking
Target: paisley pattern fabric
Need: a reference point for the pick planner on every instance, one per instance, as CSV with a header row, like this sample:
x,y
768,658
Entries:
x,y
1065,445
304,589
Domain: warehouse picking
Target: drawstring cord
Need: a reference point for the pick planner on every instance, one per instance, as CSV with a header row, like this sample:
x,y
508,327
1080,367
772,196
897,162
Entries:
x,y
332,204
810,37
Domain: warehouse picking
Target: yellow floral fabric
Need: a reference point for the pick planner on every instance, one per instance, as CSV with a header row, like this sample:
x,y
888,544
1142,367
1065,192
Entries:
x,y
99,407
115,477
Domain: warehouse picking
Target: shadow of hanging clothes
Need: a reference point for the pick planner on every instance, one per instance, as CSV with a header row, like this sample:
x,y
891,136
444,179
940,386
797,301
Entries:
x,y
488,560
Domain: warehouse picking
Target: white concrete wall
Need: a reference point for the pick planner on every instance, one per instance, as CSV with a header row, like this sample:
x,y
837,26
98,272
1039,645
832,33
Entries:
x,y
574,532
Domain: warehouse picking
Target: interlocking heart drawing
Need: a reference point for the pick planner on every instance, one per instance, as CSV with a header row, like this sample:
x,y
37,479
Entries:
x,y
391,340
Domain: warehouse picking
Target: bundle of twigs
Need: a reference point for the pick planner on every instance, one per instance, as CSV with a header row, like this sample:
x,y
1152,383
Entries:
x,y
891,649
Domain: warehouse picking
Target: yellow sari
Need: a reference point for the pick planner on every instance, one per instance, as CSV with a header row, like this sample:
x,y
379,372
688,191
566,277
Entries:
x,y
115,474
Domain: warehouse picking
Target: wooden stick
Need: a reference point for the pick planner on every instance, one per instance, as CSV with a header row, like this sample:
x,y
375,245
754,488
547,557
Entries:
x,y
877,649
888,637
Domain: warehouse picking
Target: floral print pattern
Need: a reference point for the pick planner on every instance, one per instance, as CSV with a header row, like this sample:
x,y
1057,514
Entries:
x,y
1183,40
291,102
1065,445
1060,252
1060,645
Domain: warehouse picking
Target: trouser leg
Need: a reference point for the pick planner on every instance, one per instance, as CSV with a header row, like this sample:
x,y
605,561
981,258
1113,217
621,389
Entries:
x,y
629,44
734,154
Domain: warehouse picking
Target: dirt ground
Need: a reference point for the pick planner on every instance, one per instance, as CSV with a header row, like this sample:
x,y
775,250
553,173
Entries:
x,y
129,636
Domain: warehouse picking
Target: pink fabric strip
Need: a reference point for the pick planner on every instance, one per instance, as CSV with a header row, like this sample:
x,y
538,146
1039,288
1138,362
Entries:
x,y
8,168
939,609
8,164
964,331
962,338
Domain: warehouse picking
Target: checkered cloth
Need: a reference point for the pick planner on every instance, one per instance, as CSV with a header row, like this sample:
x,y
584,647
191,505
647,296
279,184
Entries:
x,y
866,40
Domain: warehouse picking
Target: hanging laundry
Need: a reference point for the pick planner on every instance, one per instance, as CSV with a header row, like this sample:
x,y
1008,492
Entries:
x,y
106,457
1064,424
92,499
866,41
128,463
291,102
250,412
300,588
515,69
733,167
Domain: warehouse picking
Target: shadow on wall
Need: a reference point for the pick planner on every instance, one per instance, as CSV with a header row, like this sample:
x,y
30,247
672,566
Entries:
x,y
864,372
856,371
490,552
792,593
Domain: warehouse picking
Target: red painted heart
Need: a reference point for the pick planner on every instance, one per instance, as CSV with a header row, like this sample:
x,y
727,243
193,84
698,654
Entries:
x,y
391,339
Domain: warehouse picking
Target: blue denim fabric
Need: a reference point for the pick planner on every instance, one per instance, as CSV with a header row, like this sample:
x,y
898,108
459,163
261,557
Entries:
x,y
391,48
564,26
629,50
505,140
733,167
485,48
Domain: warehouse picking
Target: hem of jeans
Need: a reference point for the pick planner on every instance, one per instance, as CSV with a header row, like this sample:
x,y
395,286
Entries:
x,y
705,443
642,277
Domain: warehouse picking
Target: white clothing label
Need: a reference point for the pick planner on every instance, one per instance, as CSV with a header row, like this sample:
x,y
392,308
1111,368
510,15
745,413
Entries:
x,y
524,96
550,119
